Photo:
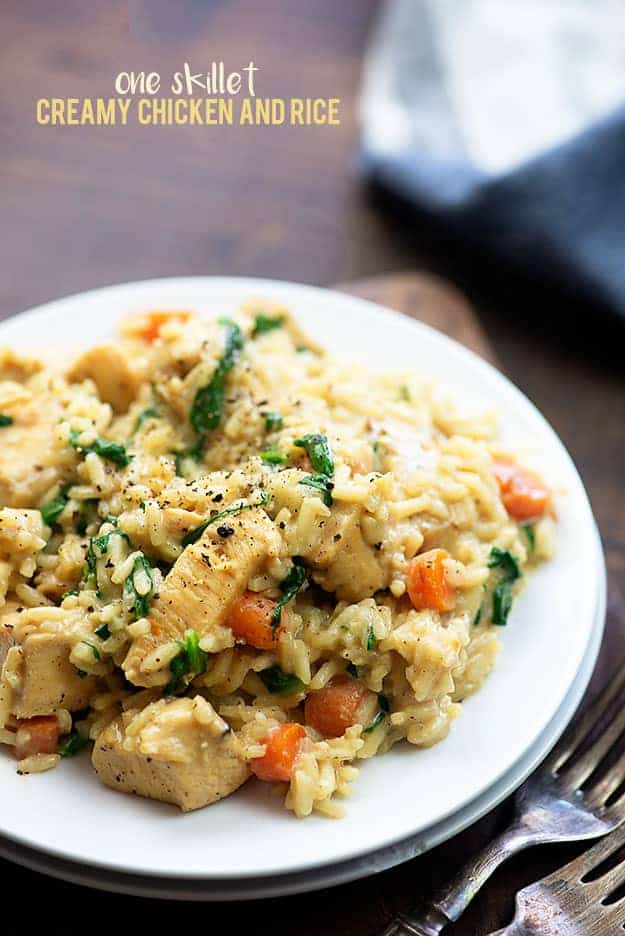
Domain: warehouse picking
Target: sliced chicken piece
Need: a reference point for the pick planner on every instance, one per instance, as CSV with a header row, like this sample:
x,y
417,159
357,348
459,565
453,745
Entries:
x,y
9,618
28,460
114,374
337,548
174,750
199,590
6,641
17,367
41,677
21,533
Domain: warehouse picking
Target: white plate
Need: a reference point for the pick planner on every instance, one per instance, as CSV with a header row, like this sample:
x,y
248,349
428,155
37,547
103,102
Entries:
x,y
328,875
407,794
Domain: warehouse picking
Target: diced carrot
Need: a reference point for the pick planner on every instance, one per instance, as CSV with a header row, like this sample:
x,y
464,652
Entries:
x,y
283,746
334,708
39,735
250,619
427,582
525,496
149,325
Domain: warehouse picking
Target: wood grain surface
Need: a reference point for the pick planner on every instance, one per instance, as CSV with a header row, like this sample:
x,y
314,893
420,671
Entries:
x,y
363,906
83,207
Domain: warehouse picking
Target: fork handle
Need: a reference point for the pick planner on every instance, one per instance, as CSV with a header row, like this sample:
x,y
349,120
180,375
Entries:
x,y
448,903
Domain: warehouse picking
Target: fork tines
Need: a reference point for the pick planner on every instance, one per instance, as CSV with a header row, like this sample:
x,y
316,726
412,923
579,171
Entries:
x,y
573,767
598,884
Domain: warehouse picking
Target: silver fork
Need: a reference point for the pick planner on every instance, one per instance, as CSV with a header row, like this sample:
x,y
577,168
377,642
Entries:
x,y
549,807
574,901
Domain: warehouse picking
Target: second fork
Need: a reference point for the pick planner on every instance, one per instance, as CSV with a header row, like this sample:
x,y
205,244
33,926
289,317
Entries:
x,y
550,807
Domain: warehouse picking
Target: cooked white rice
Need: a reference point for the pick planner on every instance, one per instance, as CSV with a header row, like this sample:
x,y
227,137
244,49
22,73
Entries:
x,y
87,621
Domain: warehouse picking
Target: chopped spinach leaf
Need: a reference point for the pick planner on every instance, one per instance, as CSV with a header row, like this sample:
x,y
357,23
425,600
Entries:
x,y
502,602
5,420
112,451
352,670
52,509
191,661
103,632
273,457
273,422
530,532
208,404
101,543
149,412
320,483
72,744
178,458
379,718
371,639
478,617
317,448
98,546
141,602
83,508
318,451
266,323
71,591
195,452
193,535
90,574
504,560
289,587
94,649
277,681
502,595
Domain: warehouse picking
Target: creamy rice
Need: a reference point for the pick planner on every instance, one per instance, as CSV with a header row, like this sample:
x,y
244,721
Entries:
x,y
149,485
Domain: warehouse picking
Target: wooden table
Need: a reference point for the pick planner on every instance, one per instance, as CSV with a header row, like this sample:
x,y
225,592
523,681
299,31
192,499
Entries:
x,y
82,207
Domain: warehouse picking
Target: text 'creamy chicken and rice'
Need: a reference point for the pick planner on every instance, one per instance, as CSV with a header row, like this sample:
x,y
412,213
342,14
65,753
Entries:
x,y
225,553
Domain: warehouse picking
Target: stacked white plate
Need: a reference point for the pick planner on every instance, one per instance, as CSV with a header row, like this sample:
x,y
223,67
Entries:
x,y
67,824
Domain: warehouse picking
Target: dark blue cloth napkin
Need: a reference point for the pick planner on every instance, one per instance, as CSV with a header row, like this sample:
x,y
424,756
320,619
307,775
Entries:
x,y
560,217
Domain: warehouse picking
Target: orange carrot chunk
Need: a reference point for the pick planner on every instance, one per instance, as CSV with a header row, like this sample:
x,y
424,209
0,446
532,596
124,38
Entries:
x,y
334,708
524,495
282,750
39,735
149,325
250,619
427,582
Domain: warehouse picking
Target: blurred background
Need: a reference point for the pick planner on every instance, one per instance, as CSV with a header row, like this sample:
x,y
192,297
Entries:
x,y
82,207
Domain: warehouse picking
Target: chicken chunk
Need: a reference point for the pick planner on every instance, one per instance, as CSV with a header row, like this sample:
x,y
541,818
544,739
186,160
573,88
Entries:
x,y
337,548
199,590
8,619
175,750
28,462
42,678
17,367
6,641
21,534
114,374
